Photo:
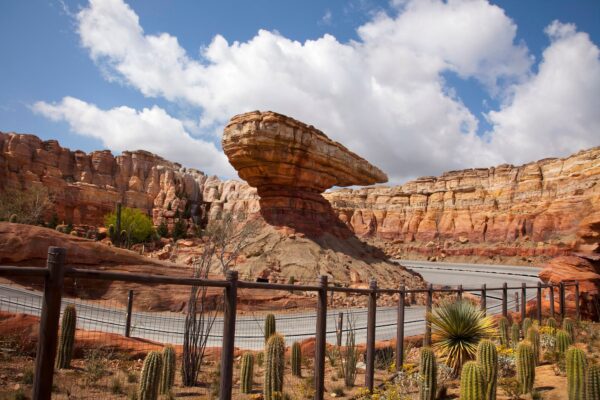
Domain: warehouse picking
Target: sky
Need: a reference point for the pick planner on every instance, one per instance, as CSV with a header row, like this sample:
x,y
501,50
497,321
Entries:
x,y
417,87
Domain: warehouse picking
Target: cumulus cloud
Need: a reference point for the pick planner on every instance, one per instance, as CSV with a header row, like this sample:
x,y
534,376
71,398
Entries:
x,y
123,128
383,95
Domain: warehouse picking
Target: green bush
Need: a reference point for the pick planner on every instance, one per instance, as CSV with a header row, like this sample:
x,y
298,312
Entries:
x,y
138,226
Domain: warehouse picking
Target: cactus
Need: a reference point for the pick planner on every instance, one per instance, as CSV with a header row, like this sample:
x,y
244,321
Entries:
x,y
67,337
592,383
428,374
533,336
551,323
296,359
247,374
569,327
150,377
167,377
563,341
525,325
111,233
472,382
275,363
576,366
269,326
515,335
503,328
12,218
525,366
487,358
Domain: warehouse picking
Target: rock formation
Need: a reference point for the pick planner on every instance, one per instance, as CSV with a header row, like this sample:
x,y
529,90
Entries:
x,y
291,164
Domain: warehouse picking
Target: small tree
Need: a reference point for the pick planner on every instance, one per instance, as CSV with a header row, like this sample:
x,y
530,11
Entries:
x,y
162,229
27,206
137,226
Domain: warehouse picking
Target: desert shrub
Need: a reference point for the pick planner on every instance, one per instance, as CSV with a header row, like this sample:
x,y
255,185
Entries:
x,y
28,375
138,226
510,387
457,328
115,386
162,230
25,206
384,357
94,366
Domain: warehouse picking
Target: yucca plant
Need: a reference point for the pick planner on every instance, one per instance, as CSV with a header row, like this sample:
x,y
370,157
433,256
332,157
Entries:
x,y
457,328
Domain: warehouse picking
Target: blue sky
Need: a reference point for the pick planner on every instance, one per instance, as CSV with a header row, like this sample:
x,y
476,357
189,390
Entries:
x,y
417,87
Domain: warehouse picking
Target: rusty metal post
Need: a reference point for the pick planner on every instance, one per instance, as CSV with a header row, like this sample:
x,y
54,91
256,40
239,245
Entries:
x,y
371,320
539,303
483,299
320,345
48,334
561,299
460,292
551,293
339,329
504,300
400,330
128,315
523,301
228,345
427,338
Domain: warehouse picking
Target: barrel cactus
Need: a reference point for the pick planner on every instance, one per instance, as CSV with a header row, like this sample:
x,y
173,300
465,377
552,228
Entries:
x,y
428,374
247,374
472,382
296,360
275,363
150,377
533,336
67,337
551,323
167,377
592,383
576,366
515,335
525,325
569,326
487,358
563,341
525,366
269,326
503,328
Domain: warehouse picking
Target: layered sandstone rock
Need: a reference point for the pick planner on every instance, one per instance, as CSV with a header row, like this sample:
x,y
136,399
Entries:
x,y
291,164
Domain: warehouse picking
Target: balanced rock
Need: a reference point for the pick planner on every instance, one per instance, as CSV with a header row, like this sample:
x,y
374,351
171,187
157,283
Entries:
x,y
291,164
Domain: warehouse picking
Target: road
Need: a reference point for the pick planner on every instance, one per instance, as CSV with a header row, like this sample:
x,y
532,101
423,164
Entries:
x,y
168,327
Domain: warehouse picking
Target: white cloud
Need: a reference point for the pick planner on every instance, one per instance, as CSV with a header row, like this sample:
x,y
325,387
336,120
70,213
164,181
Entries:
x,y
151,129
383,96
326,18
556,112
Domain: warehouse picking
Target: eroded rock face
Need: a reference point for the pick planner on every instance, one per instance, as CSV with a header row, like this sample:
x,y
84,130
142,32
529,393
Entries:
x,y
291,164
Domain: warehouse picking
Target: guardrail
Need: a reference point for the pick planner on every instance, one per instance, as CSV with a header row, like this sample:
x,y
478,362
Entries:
x,y
55,272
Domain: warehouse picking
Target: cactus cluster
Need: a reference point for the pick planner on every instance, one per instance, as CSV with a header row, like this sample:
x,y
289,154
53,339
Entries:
x,y
472,382
551,323
525,366
576,366
525,325
275,363
503,328
167,376
515,335
563,341
67,337
296,360
150,376
569,326
247,373
533,336
592,383
487,358
428,374
269,326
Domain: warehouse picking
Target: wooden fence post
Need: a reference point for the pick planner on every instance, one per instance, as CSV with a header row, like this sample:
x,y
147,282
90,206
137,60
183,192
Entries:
x,y
227,350
429,304
320,345
48,334
551,288
504,300
371,320
460,292
339,329
128,315
523,301
539,303
517,308
577,309
483,299
561,299
400,330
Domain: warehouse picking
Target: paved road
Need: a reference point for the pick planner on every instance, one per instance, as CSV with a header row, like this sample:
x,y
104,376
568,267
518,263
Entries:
x,y
168,327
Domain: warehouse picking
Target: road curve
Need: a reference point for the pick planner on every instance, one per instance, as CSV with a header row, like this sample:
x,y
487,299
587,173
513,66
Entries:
x,y
168,327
